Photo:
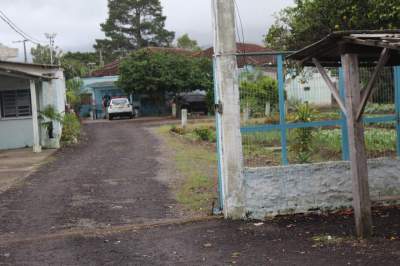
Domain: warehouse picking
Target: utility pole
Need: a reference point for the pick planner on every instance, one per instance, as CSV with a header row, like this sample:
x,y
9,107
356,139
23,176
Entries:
x,y
228,109
24,43
51,37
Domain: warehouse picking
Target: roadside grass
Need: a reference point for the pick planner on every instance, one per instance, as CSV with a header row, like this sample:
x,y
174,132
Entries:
x,y
197,164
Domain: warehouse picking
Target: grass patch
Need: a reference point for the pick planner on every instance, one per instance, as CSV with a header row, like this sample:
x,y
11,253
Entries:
x,y
326,240
198,165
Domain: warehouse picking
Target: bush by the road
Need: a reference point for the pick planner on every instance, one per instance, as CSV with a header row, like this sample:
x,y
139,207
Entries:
x,y
71,129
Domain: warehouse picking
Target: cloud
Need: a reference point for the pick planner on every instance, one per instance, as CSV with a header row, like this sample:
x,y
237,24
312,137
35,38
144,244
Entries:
x,y
77,22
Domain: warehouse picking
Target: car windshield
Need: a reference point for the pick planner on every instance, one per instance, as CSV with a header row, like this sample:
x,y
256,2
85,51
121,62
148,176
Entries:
x,y
119,101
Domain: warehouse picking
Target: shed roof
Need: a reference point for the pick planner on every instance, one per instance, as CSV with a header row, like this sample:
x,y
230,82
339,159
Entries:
x,y
28,71
368,44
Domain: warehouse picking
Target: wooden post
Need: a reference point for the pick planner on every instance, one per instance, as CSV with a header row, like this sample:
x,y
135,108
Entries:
x,y
358,157
35,123
229,108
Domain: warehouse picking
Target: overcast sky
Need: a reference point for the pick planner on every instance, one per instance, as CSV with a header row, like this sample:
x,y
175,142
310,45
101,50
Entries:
x,y
77,21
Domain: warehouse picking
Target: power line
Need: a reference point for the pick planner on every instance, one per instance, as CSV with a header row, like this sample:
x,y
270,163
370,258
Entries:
x,y
17,29
242,32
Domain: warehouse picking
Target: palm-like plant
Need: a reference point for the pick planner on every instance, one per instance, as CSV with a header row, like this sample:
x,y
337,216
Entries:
x,y
49,115
302,145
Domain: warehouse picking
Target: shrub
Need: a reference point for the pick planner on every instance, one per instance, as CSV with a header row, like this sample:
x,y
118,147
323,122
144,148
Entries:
x,y
302,142
205,134
178,130
71,128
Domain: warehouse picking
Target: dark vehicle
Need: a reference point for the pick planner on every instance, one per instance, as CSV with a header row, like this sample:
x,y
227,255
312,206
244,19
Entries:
x,y
194,102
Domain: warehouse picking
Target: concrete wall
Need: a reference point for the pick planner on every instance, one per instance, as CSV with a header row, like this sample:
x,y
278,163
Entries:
x,y
301,188
53,93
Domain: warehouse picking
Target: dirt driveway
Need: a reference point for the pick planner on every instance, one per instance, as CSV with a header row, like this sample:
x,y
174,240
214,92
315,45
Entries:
x,y
102,203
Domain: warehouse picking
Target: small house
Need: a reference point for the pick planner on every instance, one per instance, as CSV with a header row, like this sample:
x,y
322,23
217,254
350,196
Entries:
x,y
26,90
93,93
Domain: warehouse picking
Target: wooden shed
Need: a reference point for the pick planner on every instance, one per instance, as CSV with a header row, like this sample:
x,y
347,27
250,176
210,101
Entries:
x,y
350,50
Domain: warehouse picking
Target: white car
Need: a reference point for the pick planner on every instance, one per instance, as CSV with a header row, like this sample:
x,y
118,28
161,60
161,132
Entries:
x,y
119,107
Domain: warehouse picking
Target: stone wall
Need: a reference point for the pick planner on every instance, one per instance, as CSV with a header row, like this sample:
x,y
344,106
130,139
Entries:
x,y
301,188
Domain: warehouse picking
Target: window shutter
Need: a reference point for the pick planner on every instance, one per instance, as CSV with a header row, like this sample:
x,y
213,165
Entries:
x,y
9,100
16,103
23,103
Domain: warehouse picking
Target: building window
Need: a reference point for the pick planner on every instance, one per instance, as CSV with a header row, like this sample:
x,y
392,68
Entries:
x,y
15,103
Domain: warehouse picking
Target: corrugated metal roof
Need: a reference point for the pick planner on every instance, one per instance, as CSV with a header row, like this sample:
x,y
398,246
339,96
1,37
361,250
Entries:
x,y
26,70
368,44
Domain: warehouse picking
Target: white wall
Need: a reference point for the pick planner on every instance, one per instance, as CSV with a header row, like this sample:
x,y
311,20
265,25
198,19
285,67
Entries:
x,y
318,93
53,93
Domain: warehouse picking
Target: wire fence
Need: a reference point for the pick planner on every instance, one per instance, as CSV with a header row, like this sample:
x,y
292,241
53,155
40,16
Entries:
x,y
289,115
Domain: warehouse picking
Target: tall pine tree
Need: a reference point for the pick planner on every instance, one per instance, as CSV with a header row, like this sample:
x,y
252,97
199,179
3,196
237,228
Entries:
x,y
133,24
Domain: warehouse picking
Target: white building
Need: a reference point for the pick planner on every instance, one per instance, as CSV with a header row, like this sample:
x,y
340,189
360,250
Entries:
x,y
25,89
310,87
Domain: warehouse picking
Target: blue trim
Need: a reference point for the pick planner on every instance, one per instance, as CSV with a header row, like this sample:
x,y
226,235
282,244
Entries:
x,y
326,123
345,130
282,109
260,128
397,102
218,122
379,119
266,128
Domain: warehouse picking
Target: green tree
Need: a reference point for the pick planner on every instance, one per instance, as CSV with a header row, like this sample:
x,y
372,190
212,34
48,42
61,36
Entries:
x,y
78,64
41,54
133,24
310,20
186,43
156,73
82,57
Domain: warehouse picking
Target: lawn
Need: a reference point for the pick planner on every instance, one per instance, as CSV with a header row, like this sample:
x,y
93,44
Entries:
x,y
196,162
264,148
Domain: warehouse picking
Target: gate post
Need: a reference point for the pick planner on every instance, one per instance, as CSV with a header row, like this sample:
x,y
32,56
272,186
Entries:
x,y
345,130
229,108
282,108
218,125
